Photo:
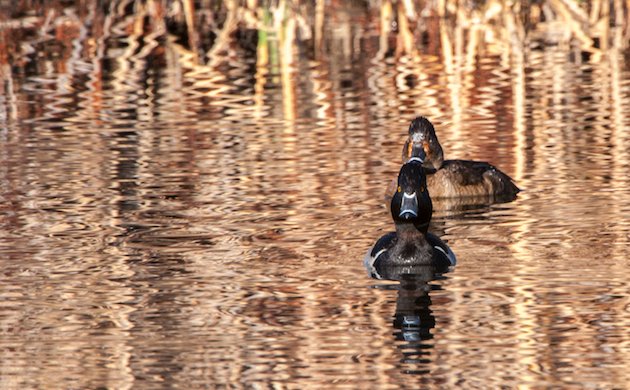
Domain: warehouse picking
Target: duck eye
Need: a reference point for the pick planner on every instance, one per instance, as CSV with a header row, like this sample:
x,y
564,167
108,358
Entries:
x,y
399,189
421,188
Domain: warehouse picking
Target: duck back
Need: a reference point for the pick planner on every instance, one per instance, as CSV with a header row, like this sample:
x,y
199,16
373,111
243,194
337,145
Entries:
x,y
460,178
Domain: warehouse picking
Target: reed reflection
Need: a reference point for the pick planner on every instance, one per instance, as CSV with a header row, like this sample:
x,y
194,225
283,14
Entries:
x,y
173,172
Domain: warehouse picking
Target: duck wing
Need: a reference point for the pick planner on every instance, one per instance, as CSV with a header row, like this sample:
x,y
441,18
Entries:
x,y
475,178
378,252
442,253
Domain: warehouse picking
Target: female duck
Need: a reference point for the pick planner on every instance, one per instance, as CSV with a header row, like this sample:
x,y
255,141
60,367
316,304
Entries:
x,y
454,178
411,245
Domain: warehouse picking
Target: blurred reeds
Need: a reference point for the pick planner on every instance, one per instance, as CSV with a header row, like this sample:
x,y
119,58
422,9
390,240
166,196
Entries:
x,y
205,28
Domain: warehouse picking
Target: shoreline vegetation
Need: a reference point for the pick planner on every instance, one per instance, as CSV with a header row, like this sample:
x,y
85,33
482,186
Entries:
x,y
204,29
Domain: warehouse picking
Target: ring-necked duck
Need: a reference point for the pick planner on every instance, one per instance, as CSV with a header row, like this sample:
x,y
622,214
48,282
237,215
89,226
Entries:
x,y
411,209
454,178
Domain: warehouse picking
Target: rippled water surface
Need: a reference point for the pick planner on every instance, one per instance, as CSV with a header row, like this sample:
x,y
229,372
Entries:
x,y
189,207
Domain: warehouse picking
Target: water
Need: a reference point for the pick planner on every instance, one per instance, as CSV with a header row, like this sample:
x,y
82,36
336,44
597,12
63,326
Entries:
x,y
176,218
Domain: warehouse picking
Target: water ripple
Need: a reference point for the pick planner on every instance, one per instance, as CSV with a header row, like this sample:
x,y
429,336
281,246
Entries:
x,y
186,195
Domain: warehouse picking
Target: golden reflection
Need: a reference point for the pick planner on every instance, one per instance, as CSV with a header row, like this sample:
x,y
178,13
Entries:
x,y
187,189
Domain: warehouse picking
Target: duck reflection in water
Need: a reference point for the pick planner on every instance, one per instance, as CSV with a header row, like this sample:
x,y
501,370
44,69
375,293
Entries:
x,y
414,318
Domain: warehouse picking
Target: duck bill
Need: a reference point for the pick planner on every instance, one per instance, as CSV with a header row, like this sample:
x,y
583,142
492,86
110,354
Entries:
x,y
408,206
417,152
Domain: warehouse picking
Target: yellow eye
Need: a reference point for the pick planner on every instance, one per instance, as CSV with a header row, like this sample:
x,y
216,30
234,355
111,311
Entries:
x,y
399,189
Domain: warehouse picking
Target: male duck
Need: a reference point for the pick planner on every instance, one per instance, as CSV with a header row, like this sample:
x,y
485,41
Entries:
x,y
411,245
454,178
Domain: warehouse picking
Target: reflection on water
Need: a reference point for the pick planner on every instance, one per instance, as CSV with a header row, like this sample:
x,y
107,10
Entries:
x,y
186,194
413,322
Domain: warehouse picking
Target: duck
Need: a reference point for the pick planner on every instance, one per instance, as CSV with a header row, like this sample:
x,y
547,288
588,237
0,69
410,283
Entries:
x,y
454,178
411,245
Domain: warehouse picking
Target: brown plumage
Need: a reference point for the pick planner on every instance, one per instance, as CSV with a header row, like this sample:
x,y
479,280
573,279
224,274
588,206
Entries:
x,y
454,178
